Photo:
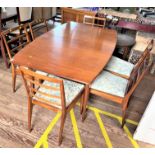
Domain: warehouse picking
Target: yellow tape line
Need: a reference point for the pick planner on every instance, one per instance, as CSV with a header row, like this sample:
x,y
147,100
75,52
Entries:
x,y
45,144
43,139
103,130
133,142
75,129
111,115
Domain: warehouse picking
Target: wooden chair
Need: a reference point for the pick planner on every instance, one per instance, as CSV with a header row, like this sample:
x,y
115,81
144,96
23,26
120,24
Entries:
x,y
54,93
118,89
13,44
36,26
94,21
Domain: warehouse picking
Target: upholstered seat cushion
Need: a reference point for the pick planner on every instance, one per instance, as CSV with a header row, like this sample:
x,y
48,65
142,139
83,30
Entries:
x,y
119,66
72,89
109,83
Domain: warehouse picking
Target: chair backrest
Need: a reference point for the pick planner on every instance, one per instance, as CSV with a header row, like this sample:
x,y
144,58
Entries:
x,y
24,14
15,39
36,26
44,90
140,68
94,21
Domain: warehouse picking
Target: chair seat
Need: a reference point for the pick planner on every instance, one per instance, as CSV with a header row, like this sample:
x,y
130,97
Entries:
x,y
72,89
119,66
109,83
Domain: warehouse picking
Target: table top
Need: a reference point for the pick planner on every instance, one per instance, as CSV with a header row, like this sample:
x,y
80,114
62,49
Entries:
x,y
73,51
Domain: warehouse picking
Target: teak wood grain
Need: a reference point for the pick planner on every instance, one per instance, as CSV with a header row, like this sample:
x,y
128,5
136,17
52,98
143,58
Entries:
x,y
74,51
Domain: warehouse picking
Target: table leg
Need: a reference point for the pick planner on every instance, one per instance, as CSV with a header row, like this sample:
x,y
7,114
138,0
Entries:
x,y
86,96
3,53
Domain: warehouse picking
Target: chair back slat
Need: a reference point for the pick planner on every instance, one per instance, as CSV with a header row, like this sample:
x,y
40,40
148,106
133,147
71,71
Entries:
x,y
37,25
94,21
42,93
41,85
47,90
54,104
140,68
19,47
15,39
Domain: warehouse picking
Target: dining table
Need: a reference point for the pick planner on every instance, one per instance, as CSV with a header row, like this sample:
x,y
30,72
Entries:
x,y
74,51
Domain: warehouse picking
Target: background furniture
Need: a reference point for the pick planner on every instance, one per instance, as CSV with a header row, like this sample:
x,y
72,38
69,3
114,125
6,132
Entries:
x,y
124,45
43,12
8,14
69,14
94,21
37,25
24,14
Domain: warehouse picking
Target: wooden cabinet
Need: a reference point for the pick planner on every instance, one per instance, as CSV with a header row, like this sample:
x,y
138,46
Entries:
x,y
69,14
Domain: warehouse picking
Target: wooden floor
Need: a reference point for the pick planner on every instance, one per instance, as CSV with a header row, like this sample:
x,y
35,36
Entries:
x,y
13,118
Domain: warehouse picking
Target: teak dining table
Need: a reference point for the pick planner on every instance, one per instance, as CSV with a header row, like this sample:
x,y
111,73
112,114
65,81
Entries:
x,y
74,51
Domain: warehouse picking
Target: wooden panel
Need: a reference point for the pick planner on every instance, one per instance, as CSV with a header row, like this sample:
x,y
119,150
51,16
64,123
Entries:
x,y
69,14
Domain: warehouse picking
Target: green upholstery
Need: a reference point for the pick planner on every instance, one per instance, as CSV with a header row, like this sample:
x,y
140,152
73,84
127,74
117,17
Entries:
x,y
109,83
119,66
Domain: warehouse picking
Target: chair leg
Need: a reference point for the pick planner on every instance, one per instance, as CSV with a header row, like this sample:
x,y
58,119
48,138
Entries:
x,y
63,118
123,118
13,78
29,115
3,54
124,107
81,104
86,95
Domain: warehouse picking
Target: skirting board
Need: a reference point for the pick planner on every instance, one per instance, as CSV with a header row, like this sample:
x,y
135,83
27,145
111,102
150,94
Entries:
x,y
146,128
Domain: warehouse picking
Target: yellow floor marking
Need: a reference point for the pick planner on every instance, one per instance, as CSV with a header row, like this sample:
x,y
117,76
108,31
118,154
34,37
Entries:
x,y
111,115
119,118
75,129
43,140
131,122
103,130
133,142
45,143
